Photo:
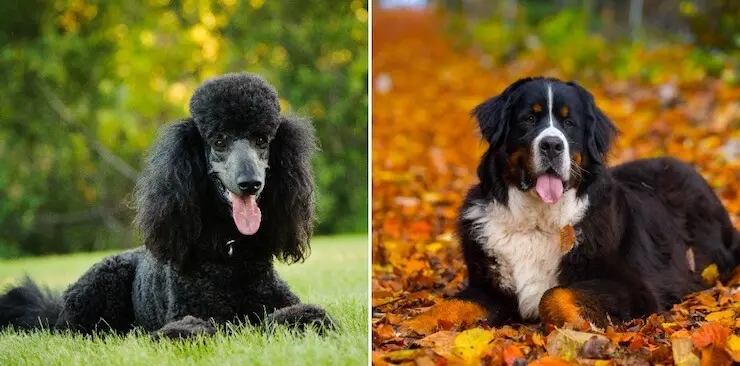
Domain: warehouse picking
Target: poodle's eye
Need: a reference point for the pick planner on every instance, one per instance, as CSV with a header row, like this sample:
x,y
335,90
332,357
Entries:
x,y
569,123
529,119
220,142
261,140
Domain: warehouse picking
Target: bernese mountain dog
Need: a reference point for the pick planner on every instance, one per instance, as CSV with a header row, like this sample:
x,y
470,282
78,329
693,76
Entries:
x,y
552,234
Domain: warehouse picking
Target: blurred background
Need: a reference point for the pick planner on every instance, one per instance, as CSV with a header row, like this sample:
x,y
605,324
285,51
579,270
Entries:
x,y
585,35
86,85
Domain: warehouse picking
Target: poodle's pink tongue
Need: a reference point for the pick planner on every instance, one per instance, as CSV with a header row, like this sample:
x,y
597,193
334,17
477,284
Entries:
x,y
549,188
247,215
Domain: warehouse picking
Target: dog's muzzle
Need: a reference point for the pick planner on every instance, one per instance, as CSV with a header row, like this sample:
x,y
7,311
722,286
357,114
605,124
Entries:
x,y
551,153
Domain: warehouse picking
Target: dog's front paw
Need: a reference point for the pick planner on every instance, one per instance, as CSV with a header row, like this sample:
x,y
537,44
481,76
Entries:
x,y
302,316
187,327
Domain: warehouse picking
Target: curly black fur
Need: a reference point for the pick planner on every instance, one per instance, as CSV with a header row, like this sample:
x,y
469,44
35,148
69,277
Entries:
x,y
195,263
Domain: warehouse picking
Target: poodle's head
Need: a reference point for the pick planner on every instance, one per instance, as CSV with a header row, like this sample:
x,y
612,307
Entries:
x,y
237,116
236,172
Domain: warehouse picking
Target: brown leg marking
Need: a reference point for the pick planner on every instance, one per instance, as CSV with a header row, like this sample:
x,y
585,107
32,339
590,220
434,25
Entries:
x,y
559,306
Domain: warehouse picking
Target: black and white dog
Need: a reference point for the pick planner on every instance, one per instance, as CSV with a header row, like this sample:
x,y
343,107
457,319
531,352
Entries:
x,y
551,233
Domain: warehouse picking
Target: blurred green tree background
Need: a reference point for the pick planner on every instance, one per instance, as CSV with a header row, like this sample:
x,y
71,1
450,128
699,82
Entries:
x,y
85,85
653,41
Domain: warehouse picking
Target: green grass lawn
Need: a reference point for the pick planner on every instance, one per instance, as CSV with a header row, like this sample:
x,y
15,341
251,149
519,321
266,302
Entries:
x,y
335,276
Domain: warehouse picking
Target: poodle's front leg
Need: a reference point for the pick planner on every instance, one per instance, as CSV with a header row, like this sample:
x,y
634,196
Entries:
x,y
187,327
300,316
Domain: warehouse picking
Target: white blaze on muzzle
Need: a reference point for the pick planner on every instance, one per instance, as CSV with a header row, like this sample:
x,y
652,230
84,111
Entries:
x,y
549,187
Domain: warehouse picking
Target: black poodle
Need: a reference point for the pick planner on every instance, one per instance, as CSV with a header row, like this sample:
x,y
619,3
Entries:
x,y
222,194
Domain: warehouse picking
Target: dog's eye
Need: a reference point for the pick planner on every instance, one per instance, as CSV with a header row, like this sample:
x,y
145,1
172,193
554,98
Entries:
x,y
569,123
529,119
261,140
220,142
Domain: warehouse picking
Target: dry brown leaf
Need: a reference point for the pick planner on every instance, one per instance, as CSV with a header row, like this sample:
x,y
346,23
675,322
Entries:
x,y
601,348
441,343
565,343
446,314
567,238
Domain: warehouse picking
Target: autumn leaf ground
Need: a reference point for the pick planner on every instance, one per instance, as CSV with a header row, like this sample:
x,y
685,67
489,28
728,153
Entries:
x,y
335,276
425,152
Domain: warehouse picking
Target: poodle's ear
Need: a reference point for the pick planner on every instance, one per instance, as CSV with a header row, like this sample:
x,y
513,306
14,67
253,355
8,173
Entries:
x,y
287,202
169,193
600,131
493,115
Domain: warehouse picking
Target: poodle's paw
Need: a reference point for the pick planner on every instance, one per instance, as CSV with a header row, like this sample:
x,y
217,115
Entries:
x,y
187,327
302,316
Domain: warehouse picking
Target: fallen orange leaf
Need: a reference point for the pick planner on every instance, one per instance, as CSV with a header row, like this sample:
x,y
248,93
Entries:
x,y
710,334
549,361
511,353
385,332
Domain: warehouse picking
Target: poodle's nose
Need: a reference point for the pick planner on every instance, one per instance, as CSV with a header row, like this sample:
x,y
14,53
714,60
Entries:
x,y
248,186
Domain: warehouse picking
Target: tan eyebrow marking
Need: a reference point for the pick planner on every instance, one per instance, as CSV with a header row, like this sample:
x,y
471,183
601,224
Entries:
x,y
537,108
564,111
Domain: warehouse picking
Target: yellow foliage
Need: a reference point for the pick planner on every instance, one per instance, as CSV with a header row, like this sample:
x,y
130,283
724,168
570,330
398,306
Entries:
x,y
177,93
720,315
199,34
256,3
710,274
471,343
732,346
361,15
208,19
284,104
146,38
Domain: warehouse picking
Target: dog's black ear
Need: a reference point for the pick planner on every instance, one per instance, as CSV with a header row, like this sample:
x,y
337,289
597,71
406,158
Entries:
x,y
169,193
493,115
600,131
287,203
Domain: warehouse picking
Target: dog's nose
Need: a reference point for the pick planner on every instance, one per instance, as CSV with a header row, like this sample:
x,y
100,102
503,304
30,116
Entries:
x,y
248,186
552,146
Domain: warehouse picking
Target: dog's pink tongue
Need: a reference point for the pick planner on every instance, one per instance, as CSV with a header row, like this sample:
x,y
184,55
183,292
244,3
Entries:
x,y
247,215
549,188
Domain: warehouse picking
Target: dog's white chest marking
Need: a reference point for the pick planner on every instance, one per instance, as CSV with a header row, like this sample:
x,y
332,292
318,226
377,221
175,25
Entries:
x,y
524,239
